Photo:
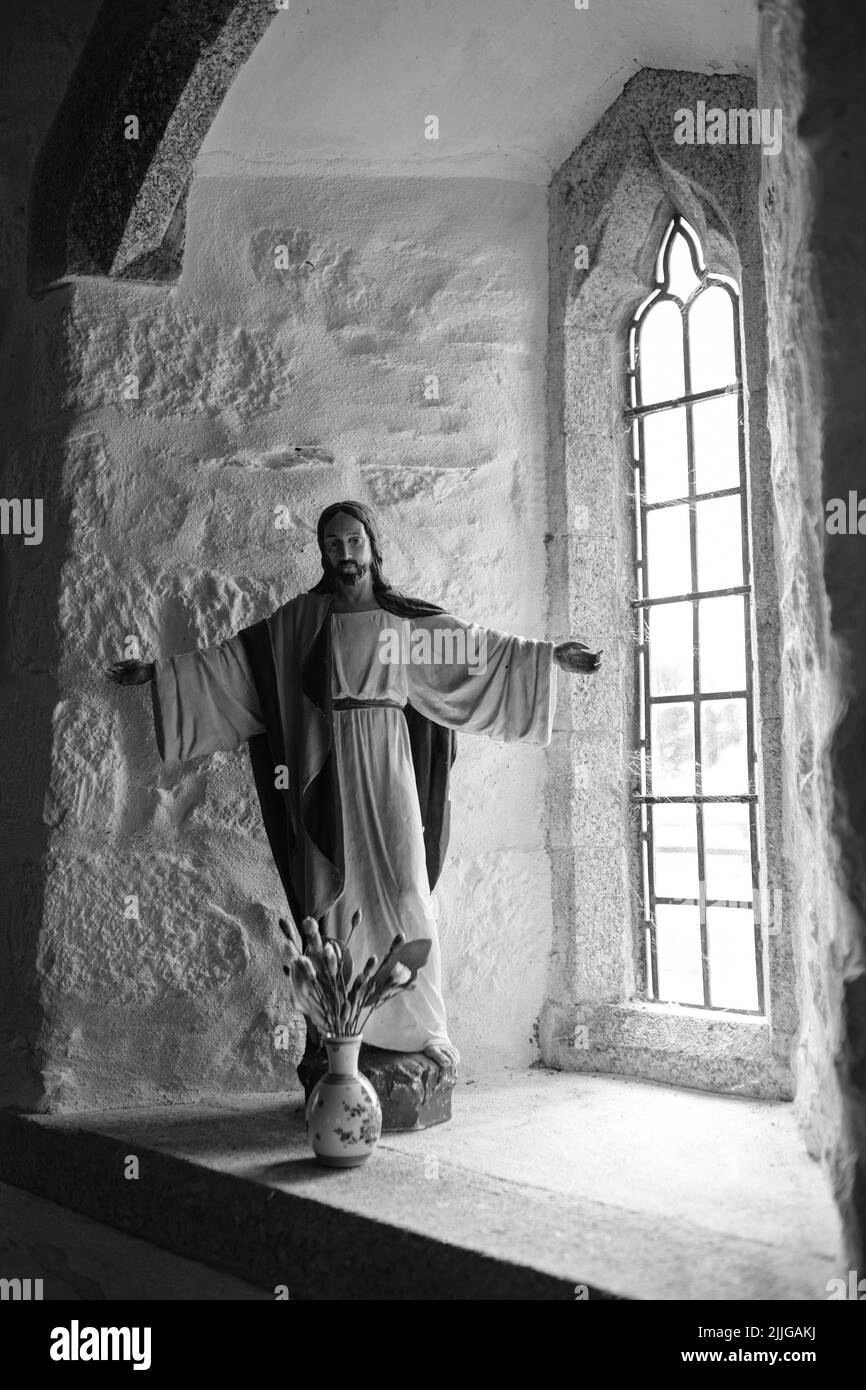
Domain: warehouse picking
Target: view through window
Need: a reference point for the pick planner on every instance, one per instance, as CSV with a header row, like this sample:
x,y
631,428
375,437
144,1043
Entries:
x,y
696,783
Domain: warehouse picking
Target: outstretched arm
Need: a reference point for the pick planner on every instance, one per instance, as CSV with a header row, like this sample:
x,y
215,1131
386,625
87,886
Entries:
x,y
478,680
203,701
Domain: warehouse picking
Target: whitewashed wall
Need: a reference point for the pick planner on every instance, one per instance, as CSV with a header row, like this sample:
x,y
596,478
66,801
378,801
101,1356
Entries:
x,y
260,388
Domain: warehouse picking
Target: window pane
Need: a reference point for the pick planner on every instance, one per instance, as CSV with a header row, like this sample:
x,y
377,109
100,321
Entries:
x,y
671,649
727,851
661,353
722,636
666,460
678,953
675,851
716,443
731,950
668,552
720,543
681,278
723,746
672,734
711,339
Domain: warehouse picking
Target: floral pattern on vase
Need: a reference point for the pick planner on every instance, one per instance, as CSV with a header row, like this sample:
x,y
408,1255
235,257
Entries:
x,y
343,1114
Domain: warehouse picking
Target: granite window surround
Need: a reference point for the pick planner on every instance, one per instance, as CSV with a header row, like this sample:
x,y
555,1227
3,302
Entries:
x,y
615,196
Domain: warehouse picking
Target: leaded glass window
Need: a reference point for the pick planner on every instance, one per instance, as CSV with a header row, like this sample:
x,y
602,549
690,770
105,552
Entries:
x,y
696,785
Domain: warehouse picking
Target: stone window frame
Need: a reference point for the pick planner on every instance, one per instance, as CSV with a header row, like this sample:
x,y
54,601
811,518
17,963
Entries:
x,y
615,196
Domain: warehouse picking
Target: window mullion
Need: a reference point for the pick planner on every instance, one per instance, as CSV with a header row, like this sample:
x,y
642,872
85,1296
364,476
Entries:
x,y
751,751
644,657
696,666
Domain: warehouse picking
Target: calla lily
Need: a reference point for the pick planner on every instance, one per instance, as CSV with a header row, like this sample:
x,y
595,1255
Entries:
x,y
321,975
411,954
310,928
346,966
292,935
303,985
304,969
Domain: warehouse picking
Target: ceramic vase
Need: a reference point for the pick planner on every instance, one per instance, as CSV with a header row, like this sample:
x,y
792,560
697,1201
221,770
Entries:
x,y
343,1114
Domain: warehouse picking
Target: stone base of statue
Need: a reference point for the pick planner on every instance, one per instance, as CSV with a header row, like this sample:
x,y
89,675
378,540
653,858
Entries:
x,y
414,1092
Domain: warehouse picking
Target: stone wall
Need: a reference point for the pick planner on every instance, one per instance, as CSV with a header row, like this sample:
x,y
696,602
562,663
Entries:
x,y
197,434
40,45
812,213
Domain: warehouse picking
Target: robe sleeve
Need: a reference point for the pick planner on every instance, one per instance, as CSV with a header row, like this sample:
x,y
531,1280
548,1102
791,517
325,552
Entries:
x,y
204,701
480,681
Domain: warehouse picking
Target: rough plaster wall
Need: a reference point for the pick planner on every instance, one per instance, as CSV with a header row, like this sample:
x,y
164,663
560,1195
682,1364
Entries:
x,y
40,45
812,209
616,196
261,388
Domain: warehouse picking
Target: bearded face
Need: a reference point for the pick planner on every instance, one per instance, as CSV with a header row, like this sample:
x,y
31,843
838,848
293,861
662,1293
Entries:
x,y
350,571
347,550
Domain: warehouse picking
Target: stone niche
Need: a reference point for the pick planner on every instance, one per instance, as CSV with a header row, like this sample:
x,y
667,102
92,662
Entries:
x,y
615,196
160,506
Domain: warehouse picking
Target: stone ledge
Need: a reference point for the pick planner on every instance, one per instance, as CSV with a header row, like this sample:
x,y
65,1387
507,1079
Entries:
x,y
231,1185
235,1188
675,1045
80,1259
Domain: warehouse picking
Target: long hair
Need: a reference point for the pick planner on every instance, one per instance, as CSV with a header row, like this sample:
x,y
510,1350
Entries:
x,y
391,599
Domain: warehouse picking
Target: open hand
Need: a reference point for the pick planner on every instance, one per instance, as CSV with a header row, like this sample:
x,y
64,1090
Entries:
x,y
130,672
576,656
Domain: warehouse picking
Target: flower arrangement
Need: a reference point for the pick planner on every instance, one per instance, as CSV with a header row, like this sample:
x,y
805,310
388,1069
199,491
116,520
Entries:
x,y
321,976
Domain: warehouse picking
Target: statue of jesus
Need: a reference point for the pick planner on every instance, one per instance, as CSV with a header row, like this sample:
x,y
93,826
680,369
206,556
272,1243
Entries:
x,y
350,697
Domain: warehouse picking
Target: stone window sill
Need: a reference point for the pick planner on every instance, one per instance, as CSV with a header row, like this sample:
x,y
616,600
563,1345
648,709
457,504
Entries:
x,y
726,1052
543,1181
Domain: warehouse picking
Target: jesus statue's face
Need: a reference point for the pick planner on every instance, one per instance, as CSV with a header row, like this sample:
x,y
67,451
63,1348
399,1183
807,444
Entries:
x,y
347,548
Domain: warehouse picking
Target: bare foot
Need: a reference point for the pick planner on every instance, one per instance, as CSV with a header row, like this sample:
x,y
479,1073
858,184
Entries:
x,y
446,1055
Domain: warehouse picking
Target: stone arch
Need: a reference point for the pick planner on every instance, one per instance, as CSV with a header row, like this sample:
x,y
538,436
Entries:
x,y
615,195
102,204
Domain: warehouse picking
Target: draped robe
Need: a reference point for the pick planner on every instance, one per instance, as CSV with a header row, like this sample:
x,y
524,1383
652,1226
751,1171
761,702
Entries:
x,y
363,821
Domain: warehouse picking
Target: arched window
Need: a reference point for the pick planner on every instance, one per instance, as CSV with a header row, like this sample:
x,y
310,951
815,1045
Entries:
x,y
696,783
